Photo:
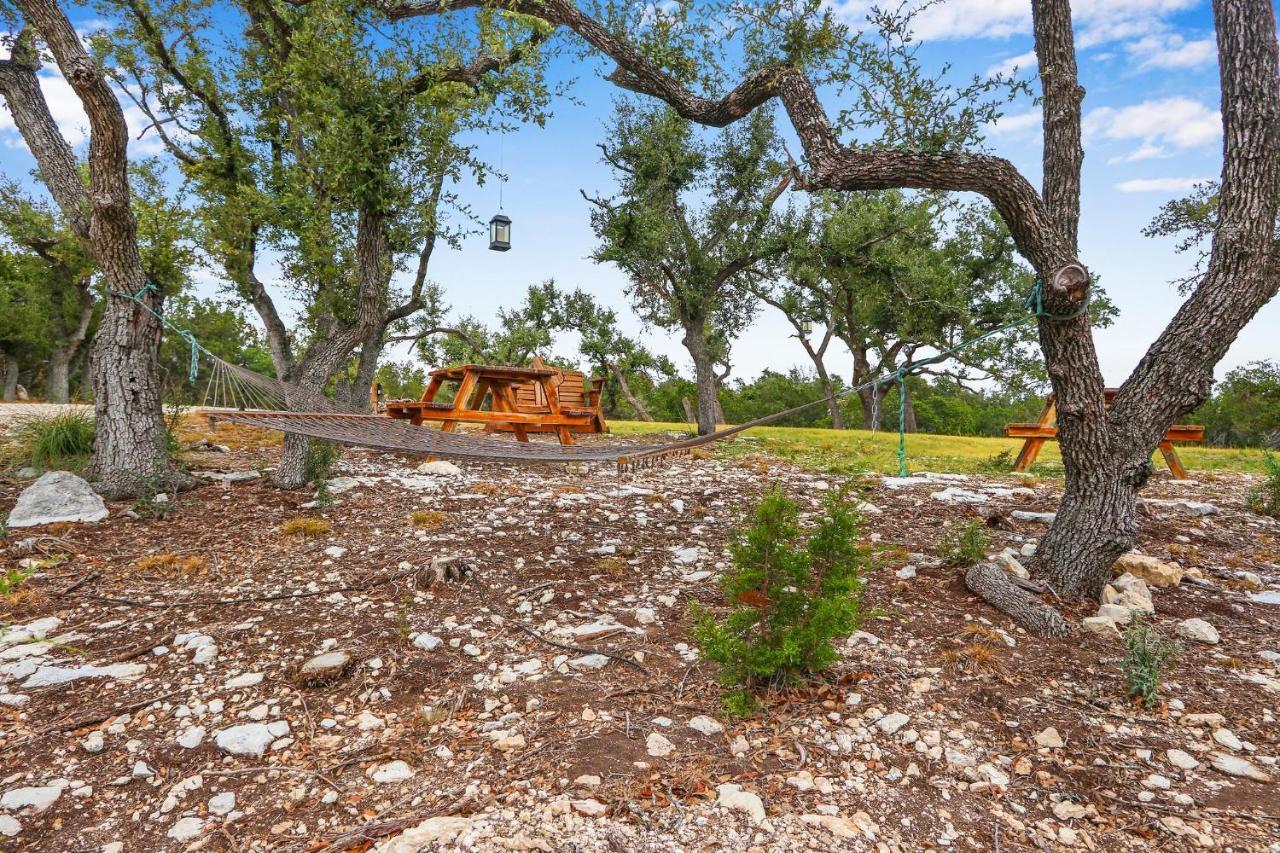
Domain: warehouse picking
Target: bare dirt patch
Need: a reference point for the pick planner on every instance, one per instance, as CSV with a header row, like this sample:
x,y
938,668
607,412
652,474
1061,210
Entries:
x,y
474,692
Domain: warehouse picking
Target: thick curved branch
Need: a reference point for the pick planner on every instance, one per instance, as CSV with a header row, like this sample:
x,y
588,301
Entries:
x,y
59,170
830,165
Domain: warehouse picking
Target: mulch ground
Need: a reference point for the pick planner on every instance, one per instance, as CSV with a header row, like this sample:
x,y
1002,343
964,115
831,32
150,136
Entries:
x,y
512,727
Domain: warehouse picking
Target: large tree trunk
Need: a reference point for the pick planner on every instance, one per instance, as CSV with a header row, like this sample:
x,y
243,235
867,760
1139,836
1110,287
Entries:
x,y
130,444
695,341
637,407
8,378
328,353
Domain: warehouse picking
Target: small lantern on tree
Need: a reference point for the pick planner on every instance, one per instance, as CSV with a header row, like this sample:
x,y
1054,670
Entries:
x,y
806,327
500,233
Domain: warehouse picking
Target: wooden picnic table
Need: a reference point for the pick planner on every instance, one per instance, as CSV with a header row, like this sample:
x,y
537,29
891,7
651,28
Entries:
x,y
475,383
1045,429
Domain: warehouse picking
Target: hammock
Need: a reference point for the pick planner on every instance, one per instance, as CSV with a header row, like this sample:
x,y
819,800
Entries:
x,y
238,395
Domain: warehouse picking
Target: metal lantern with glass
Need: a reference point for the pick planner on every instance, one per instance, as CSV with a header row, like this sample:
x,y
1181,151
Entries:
x,y
500,233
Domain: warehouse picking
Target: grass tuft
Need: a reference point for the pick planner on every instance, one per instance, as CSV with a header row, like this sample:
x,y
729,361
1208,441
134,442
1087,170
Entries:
x,y
964,545
307,528
171,564
61,442
427,519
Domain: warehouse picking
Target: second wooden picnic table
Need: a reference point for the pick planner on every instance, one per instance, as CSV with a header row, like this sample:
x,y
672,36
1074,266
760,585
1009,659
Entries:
x,y
479,381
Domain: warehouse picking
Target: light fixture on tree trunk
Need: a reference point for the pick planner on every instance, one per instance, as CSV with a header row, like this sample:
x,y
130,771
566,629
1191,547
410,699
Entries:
x,y
500,233
806,328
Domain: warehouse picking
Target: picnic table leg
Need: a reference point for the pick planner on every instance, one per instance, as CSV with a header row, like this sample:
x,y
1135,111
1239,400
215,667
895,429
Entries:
x,y
1027,456
504,400
1174,461
1031,447
550,386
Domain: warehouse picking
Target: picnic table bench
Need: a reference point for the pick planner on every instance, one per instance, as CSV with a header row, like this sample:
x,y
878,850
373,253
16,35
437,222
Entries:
x,y
1045,429
499,385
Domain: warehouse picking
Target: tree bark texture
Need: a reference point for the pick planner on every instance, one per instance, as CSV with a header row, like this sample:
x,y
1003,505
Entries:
x,y
130,445
8,378
695,341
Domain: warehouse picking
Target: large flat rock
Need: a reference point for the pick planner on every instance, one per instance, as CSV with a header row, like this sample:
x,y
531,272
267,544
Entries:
x,y
58,496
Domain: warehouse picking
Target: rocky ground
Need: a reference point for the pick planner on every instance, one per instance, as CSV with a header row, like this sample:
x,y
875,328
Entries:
x,y
506,664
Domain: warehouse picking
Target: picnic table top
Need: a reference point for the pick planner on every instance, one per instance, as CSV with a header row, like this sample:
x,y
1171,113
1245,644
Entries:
x,y
494,371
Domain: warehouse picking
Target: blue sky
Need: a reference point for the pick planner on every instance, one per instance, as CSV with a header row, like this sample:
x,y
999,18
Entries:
x,y
1152,129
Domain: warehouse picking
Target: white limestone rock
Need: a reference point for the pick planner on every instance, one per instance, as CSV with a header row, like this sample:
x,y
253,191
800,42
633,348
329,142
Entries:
x,y
1198,631
250,739
58,496
732,797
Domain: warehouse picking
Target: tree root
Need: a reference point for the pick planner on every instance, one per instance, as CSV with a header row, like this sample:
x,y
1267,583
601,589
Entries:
x,y
1001,592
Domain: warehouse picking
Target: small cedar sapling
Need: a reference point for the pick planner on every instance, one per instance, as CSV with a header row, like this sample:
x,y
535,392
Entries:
x,y
791,597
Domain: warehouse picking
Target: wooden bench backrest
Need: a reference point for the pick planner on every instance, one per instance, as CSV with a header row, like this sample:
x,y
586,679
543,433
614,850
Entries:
x,y
570,391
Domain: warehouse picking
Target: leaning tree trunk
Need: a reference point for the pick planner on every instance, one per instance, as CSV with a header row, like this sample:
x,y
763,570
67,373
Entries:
x,y
695,341
637,407
329,352
829,391
57,383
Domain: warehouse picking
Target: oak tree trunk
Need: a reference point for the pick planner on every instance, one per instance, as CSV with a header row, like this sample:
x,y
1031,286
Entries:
x,y
130,445
829,391
8,378
909,409
637,407
695,341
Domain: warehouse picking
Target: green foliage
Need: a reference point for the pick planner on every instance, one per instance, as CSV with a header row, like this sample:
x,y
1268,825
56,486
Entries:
x,y
1244,410
62,441
13,578
1147,655
154,496
401,380
791,597
1264,498
317,466
965,544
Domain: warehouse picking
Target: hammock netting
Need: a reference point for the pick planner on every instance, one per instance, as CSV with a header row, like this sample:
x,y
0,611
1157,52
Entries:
x,y
238,395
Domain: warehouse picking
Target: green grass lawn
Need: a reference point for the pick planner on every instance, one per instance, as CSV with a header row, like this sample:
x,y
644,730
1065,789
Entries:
x,y
853,451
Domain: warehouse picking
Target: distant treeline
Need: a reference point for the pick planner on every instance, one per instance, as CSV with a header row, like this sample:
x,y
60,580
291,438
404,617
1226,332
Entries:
x,y
1243,412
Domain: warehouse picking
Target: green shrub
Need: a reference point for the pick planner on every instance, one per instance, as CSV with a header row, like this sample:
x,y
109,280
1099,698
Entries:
x,y
1147,654
964,545
51,442
791,598
1265,497
317,465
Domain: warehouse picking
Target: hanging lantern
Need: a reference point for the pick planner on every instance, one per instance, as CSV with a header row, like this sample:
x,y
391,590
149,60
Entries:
x,y
806,328
499,233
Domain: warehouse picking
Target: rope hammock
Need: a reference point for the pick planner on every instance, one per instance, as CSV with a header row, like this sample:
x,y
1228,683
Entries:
x,y
238,395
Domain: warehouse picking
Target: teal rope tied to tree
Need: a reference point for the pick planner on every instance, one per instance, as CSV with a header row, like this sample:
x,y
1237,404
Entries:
x,y
1034,303
193,367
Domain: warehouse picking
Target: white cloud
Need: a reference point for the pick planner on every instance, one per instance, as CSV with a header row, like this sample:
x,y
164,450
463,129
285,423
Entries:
x,y
1023,62
1146,151
64,106
1172,51
1159,185
1096,20
1017,122
1178,122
